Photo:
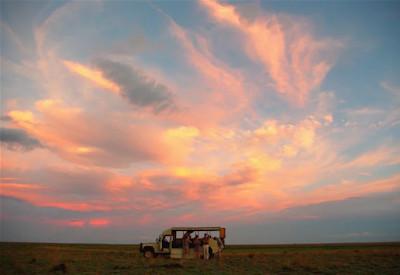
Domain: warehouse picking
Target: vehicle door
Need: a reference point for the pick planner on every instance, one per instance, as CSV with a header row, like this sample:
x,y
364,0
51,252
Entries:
x,y
177,245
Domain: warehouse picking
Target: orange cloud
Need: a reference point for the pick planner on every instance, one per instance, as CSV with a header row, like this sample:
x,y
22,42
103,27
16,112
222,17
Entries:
x,y
119,183
292,57
292,138
95,76
79,137
241,172
180,141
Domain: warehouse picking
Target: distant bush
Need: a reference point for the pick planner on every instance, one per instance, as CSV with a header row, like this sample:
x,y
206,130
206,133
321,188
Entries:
x,y
60,267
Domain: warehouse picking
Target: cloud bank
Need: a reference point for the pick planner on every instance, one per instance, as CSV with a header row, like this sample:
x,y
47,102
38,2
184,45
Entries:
x,y
15,139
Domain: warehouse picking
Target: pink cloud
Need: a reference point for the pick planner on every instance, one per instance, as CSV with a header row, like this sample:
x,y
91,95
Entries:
x,y
349,189
76,223
80,223
380,156
295,60
145,219
83,138
245,173
99,222
219,84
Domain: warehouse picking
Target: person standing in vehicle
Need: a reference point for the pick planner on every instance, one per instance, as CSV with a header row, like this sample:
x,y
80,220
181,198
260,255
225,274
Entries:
x,y
197,246
186,244
220,246
206,246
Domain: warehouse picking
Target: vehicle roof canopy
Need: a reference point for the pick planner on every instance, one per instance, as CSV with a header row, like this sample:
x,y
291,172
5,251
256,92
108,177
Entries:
x,y
191,228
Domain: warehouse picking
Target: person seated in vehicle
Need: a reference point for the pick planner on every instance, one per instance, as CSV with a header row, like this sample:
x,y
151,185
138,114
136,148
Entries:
x,y
165,242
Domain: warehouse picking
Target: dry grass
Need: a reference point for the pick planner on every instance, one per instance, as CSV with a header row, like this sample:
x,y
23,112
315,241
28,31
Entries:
x,y
27,258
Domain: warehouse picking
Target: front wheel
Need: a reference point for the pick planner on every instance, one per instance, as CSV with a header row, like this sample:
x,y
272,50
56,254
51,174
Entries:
x,y
148,254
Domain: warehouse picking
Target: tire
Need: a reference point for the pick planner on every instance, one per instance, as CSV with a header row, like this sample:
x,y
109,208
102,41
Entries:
x,y
148,253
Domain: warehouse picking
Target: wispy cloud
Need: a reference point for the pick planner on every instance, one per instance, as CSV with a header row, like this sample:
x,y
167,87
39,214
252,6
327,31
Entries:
x,y
395,90
295,60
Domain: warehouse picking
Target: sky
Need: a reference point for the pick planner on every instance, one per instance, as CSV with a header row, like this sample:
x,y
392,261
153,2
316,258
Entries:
x,y
279,120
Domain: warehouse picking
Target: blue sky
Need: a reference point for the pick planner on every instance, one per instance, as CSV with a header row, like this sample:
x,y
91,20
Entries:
x,y
120,119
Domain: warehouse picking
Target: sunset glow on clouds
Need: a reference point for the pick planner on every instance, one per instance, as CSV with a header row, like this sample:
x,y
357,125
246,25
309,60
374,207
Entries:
x,y
248,115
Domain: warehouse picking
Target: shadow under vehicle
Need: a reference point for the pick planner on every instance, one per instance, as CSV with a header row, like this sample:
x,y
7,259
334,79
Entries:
x,y
170,242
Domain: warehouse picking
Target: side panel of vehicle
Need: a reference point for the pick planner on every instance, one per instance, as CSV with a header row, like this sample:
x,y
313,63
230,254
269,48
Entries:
x,y
176,253
150,250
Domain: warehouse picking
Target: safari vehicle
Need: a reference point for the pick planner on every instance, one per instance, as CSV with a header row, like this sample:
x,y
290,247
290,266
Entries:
x,y
170,242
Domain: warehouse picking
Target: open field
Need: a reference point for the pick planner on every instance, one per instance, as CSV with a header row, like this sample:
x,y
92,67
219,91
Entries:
x,y
28,258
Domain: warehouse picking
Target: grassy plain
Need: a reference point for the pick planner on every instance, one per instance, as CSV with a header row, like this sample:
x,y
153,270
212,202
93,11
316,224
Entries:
x,y
31,258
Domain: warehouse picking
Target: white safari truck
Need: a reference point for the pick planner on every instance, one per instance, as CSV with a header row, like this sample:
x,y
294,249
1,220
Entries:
x,y
170,242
